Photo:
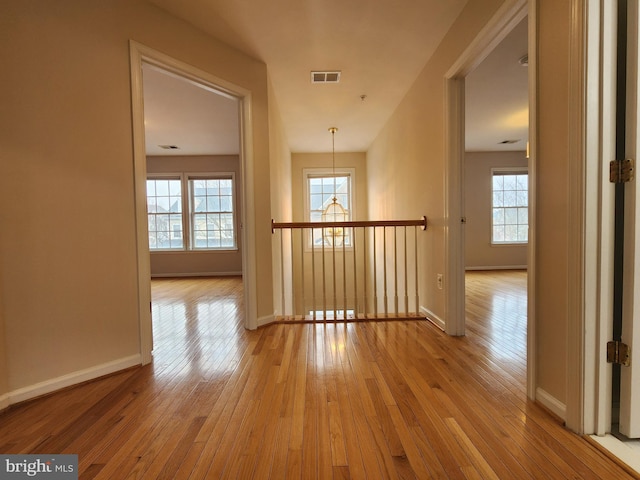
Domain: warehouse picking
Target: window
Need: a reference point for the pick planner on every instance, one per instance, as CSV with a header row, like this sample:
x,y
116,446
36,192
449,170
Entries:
x,y
191,212
164,209
212,213
321,187
510,221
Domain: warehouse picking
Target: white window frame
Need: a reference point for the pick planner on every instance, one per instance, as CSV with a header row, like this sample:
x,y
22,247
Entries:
x,y
187,209
308,173
234,213
171,176
507,171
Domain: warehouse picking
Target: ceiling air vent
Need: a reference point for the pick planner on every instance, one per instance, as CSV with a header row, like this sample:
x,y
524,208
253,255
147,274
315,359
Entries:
x,y
325,77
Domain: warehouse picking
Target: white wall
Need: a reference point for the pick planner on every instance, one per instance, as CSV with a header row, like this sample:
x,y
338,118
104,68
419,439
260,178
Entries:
x,y
281,203
479,252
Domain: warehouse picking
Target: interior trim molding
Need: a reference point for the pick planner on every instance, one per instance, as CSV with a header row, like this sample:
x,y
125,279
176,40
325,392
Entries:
x,y
497,267
507,16
266,320
140,54
551,403
576,229
74,378
196,274
433,318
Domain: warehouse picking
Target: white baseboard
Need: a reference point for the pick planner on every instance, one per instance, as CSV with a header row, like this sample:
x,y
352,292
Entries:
x,y
433,318
196,274
4,401
266,320
48,386
551,403
498,267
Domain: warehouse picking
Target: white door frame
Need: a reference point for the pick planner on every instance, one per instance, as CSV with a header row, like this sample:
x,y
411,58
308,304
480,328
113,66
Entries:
x,y
140,54
504,21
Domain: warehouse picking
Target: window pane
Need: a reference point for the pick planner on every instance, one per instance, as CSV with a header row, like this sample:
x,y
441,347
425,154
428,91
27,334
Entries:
x,y
511,233
511,216
522,182
498,216
523,216
151,204
162,187
213,187
510,223
523,233
509,198
213,199
226,204
164,196
213,204
176,205
522,198
509,182
163,204
199,184
200,204
320,191
174,188
315,201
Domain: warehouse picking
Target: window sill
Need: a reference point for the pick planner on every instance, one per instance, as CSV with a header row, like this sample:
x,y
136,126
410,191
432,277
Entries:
x,y
200,250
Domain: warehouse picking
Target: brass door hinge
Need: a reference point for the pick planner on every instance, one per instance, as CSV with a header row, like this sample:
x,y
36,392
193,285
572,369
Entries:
x,y
618,353
621,171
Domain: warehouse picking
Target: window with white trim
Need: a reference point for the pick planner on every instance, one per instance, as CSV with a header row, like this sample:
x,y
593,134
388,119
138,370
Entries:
x,y
191,212
212,213
321,186
164,212
510,206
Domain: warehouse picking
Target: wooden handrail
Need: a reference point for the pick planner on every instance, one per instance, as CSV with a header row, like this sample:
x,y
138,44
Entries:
x,y
363,223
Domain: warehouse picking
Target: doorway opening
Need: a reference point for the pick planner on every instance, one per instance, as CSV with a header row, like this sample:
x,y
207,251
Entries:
x,y
511,19
192,143
495,188
216,212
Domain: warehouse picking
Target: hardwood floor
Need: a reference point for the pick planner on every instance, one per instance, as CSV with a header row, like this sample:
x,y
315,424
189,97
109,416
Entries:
x,y
360,400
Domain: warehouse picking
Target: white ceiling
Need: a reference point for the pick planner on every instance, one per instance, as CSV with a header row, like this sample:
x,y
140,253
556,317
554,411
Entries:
x,y
182,114
497,97
379,46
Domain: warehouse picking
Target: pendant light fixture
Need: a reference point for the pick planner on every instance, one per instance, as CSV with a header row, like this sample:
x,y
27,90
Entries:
x,y
334,212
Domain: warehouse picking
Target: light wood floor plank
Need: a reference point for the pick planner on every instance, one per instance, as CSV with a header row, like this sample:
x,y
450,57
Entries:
x,y
364,400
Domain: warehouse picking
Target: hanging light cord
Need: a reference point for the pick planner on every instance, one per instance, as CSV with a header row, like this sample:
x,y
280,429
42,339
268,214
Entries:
x,y
333,131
